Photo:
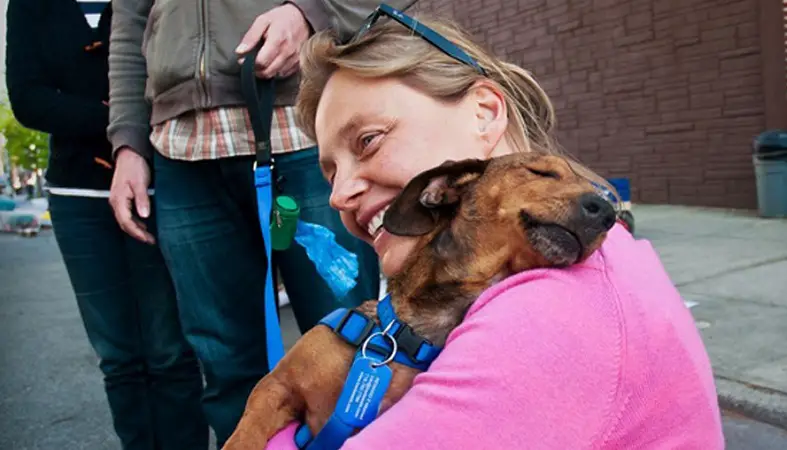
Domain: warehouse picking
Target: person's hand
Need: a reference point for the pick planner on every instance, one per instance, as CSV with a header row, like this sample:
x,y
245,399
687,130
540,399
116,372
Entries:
x,y
130,183
284,29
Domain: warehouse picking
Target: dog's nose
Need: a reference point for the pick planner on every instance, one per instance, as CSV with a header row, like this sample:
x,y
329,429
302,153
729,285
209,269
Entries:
x,y
596,210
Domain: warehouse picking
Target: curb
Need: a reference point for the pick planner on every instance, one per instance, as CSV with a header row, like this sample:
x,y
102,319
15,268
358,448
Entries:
x,y
755,402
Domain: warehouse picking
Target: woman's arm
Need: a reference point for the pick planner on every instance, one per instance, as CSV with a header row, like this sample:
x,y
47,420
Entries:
x,y
35,100
537,366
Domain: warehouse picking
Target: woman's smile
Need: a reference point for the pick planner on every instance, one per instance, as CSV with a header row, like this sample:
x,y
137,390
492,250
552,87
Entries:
x,y
373,224
380,239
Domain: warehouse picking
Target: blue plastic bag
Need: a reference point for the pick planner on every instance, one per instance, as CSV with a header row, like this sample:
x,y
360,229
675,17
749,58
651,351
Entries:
x,y
335,264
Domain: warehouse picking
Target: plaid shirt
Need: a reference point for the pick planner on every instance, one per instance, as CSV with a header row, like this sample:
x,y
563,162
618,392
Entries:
x,y
224,132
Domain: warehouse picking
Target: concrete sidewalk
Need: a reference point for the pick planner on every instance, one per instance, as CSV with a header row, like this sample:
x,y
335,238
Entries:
x,y
731,268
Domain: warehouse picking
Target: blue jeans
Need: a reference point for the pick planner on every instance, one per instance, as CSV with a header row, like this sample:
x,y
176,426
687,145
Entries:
x,y
127,303
210,235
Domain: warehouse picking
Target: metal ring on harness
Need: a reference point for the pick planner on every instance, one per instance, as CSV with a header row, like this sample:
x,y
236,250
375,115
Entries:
x,y
384,334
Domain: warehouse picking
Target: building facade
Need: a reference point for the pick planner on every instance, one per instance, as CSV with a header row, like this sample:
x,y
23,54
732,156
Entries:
x,y
669,93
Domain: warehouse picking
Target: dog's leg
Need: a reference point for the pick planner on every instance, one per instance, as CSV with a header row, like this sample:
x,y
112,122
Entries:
x,y
304,385
272,405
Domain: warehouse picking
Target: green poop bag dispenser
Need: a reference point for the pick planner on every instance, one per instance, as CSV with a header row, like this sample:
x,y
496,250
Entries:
x,y
284,223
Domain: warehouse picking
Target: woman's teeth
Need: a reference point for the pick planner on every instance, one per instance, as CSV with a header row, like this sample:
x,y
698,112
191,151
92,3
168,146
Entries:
x,y
376,224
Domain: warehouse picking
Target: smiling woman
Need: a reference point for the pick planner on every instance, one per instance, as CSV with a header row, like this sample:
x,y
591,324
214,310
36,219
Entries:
x,y
602,354
412,106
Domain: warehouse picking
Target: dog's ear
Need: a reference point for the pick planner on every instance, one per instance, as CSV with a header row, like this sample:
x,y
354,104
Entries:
x,y
430,196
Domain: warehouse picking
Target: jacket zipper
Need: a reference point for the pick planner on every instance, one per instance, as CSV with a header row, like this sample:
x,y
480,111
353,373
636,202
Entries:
x,y
202,69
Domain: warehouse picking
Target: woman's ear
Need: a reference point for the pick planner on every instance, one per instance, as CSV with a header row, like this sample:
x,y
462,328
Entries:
x,y
491,113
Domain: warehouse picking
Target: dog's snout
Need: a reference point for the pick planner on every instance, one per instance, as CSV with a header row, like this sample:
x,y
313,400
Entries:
x,y
596,210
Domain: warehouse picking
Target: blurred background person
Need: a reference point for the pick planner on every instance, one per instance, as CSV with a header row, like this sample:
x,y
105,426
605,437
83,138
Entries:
x,y
57,76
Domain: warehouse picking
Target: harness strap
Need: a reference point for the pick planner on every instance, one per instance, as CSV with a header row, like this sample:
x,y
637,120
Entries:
x,y
417,349
330,437
259,95
303,436
356,329
350,325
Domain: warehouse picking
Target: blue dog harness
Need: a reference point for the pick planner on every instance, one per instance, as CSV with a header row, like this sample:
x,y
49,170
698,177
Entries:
x,y
369,375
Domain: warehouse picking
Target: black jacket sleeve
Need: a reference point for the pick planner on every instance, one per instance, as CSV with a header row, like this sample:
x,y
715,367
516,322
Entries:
x,y
32,90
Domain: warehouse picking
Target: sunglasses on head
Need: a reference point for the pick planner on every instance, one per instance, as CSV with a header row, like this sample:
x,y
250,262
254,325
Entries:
x,y
431,36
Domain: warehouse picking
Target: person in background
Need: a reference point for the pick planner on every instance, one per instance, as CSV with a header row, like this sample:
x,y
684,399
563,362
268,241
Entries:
x,y
57,66
175,81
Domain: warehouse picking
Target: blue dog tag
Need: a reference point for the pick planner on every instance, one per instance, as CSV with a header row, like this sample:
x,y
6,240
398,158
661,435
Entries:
x,y
363,392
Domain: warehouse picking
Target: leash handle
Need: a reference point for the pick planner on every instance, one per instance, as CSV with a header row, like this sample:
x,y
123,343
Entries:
x,y
259,96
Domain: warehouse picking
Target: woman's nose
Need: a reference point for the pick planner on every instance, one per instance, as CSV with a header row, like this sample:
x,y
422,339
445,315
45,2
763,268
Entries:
x,y
345,194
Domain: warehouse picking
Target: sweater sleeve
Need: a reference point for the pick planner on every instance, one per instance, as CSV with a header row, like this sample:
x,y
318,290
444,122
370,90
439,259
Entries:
x,y
35,99
129,115
537,366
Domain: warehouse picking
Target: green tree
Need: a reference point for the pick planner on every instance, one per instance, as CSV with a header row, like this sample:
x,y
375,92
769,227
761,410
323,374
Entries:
x,y
28,149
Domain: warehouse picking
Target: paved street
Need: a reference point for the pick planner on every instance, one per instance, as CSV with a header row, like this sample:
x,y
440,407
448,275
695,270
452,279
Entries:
x,y
50,386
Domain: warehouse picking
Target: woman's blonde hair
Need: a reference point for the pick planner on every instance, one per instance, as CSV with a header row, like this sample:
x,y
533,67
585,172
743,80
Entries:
x,y
390,49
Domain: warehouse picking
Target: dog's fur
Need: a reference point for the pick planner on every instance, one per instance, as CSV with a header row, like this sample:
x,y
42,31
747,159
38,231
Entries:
x,y
477,222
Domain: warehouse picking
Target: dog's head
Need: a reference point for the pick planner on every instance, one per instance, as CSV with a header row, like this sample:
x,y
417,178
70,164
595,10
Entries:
x,y
483,218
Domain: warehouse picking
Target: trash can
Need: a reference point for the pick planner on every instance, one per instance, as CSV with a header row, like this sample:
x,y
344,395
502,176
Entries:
x,y
770,169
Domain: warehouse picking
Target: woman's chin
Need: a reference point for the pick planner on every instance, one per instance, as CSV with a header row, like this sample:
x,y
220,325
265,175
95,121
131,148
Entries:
x,y
390,266
392,251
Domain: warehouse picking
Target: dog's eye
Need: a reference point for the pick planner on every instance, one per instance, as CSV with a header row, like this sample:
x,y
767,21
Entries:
x,y
545,173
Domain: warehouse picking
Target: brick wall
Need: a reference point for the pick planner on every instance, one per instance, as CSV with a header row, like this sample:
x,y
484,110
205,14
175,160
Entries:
x,y
666,92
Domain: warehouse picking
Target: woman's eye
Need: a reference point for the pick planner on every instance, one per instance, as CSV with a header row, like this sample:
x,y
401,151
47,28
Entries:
x,y
367,140
370,140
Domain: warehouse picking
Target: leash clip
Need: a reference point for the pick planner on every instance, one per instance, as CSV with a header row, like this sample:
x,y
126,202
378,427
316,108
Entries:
x,y
270,163
384,334
277,216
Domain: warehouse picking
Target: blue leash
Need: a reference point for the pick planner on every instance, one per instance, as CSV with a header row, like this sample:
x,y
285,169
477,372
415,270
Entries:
x,y
337,266
259,95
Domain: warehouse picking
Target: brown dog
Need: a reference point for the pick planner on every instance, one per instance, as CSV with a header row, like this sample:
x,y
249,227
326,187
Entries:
x,y
477,221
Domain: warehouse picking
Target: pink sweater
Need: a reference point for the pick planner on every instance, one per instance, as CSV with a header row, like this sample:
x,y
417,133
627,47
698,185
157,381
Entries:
x,y
603,355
